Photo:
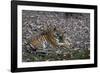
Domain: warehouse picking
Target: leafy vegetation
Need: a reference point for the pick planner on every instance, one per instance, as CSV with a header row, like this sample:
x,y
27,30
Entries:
x,y
58,54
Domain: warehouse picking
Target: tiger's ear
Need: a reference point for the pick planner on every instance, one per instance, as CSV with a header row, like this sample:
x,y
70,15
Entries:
x,y
54,29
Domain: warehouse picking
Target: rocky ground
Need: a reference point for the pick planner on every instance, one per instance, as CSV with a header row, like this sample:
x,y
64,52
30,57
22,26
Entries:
x,y
76,27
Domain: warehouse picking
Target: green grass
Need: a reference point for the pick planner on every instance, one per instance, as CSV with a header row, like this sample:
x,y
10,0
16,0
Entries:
x,y
65,54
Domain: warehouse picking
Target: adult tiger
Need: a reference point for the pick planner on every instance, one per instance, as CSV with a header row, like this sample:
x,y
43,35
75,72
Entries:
x,y
52,36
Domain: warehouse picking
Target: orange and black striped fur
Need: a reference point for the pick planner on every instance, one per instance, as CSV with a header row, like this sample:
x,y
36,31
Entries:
x,y
48,36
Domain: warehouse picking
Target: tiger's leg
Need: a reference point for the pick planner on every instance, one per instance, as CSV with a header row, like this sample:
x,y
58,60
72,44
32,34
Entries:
x,y
45,48
44,44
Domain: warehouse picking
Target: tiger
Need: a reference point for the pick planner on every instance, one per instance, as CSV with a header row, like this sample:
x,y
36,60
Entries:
x,y
49,36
